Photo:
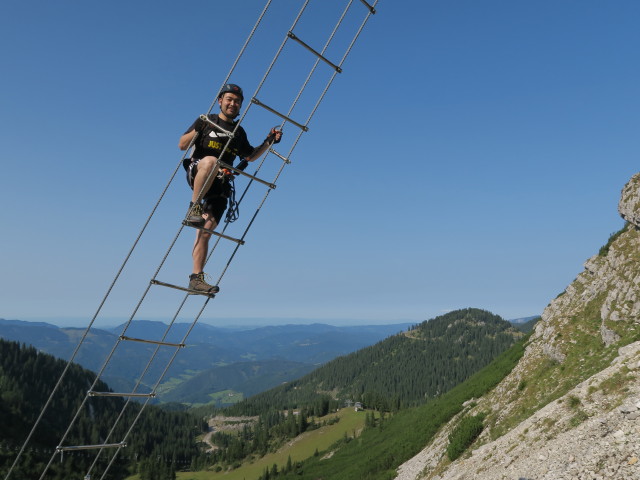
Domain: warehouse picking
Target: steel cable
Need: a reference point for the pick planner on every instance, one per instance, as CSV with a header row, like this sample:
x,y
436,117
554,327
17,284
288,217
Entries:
x,y
172,244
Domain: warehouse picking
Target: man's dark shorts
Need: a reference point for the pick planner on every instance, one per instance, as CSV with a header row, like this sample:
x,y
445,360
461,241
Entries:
x,y
215,201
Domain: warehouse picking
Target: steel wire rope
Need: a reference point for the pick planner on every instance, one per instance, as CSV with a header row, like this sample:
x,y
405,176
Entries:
x,y
173,243
231,70
246,110
86,332
232,256
228,143
167,254
106,362
238,123
241,53
257,90
295,101
316,106
315,66
348,50
119,340
119,272
137,385
171,247
155,387
282,167
372,11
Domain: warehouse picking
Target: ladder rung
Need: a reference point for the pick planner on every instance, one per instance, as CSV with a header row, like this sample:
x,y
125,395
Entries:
x,y
186,223
234,169
90,447
281,157
292,36
216,126
155,342
188,290
371,9
91,393
299,125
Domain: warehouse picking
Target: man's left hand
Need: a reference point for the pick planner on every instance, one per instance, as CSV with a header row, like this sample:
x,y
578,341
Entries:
x,y
274,136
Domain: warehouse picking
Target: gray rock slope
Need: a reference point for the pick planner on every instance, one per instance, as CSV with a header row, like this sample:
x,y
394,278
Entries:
x,y
570,410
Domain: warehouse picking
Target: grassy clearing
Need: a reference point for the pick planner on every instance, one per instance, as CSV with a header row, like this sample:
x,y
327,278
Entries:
x,y
229,396
174,382
299,449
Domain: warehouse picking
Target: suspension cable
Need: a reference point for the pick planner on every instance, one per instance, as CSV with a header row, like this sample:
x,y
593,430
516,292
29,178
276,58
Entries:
x,y
120,270
173,242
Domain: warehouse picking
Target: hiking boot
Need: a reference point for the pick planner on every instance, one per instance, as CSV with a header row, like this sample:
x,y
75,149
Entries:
x,y
194,217
198,284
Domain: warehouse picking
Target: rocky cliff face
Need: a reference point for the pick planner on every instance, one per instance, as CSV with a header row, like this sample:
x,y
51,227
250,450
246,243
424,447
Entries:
x,y
571,407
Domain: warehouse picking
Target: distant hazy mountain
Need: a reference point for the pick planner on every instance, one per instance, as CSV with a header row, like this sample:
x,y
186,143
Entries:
x,y
525,324
315,344
517,321
207,347
231,383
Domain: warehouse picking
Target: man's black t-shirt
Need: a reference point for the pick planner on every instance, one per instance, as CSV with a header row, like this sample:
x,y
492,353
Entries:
x,y
211,141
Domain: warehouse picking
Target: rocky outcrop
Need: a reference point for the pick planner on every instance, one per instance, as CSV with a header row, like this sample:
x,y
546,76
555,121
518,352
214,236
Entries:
x,y
570,410
580,436
629,206
609,283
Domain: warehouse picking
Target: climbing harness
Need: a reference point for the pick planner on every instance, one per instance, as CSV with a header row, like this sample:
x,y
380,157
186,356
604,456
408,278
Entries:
x,y
233,210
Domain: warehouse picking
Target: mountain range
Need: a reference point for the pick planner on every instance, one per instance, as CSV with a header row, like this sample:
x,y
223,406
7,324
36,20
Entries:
x,y
282,353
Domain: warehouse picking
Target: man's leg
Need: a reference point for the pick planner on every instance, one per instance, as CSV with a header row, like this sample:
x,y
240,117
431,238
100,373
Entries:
x,y
204,178
200,249
201,244
205,173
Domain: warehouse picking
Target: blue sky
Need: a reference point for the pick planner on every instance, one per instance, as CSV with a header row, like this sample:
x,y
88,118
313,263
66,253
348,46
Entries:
x,y
471,154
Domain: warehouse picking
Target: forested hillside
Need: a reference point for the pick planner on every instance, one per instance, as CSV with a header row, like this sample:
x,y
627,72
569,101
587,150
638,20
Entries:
x,y
403,370
389,440
27,378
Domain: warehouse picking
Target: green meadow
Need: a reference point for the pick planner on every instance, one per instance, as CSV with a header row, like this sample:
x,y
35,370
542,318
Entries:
x,y
300,448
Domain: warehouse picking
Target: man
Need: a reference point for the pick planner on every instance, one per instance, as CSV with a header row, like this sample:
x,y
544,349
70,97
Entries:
x,y
203,174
